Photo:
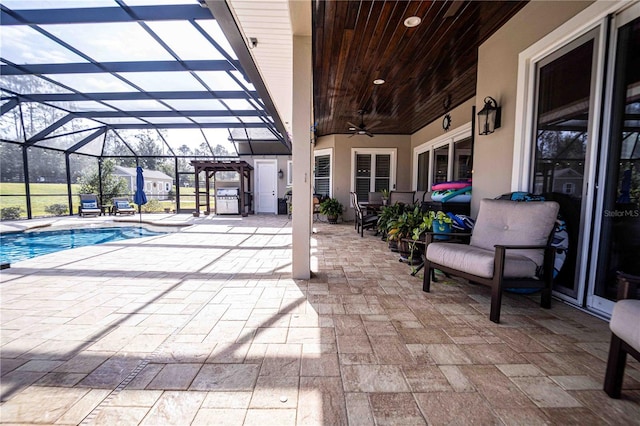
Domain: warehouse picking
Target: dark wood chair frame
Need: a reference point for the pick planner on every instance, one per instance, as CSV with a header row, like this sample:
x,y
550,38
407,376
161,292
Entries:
x,y
363,220
498,282
618,349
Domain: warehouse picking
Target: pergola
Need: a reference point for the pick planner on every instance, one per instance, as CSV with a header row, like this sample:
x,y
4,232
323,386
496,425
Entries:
x,y
123,79
210,168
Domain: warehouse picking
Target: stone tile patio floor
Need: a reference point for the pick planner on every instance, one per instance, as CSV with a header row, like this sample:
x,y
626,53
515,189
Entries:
x,y
206,326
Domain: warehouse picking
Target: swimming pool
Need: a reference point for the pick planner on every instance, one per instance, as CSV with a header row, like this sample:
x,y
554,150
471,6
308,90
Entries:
x,y
26,245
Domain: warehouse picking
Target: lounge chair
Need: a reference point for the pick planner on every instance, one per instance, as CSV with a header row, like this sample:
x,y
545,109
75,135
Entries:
x,y
89,205
510,248
121,205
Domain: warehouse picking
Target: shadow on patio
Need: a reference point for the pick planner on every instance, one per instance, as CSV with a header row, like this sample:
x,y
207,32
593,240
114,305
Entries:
x,y
206,326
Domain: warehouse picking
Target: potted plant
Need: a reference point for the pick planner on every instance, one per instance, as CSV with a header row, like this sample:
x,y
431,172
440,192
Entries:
x,y
332,208
402,230
387,216
385,196
441,224
437,222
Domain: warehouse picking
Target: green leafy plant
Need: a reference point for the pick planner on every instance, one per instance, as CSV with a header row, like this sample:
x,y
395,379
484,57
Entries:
x,y
332,208
10,213
404,225
112,185
152,206
429,221
387,215
57,209
385,193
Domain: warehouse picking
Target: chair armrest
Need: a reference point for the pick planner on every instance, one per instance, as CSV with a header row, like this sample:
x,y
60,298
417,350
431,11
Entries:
x,y
525,247
429,236
627,285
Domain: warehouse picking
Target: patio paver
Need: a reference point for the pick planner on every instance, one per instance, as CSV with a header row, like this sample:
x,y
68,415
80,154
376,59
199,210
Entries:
x,y
206,326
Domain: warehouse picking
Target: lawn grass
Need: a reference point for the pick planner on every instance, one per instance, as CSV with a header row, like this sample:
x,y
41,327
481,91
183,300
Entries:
x,y
46,194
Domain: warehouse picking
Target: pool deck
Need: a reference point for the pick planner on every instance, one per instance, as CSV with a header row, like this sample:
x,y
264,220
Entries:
x,y
206,326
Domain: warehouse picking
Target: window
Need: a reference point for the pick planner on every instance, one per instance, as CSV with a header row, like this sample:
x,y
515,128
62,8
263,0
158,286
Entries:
x,y
441,164
463,160
289,173
423,171
567,188
372,170
322,172
167,187
448,157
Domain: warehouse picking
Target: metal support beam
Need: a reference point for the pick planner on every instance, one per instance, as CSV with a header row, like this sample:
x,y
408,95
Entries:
x,y
142,66
8,106
41,134
25,171
86,140
101,15
134,96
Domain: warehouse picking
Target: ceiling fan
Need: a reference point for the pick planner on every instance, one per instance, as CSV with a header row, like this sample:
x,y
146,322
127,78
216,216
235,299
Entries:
x,y
360,129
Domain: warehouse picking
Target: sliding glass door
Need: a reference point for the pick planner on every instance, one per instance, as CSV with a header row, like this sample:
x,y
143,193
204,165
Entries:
x,y
618,242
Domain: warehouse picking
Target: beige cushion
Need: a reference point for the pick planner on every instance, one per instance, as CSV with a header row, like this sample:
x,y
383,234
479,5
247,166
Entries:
x,y
504,222
479,261
624,321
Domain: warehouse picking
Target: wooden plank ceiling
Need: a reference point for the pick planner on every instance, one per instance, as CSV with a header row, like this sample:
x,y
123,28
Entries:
x,y
356,42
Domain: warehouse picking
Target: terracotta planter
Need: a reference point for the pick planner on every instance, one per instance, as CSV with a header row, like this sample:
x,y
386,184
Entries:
x,y
332,219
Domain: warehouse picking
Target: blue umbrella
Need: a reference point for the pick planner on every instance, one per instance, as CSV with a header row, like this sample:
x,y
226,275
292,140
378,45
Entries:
x,y
140,198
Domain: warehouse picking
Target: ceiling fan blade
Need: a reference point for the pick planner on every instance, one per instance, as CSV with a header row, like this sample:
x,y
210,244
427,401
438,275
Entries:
x,y
351,135
368,134
352,125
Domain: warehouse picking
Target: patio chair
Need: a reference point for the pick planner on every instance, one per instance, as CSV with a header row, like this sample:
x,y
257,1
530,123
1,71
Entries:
x,y
364,220
122,205
375,198
625,334
510,248
404,197
89,205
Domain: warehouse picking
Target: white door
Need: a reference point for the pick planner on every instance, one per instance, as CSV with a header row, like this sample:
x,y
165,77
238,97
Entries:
x,y
266,186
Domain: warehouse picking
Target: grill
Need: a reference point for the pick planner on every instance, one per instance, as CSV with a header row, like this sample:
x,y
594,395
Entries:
x,y
227,201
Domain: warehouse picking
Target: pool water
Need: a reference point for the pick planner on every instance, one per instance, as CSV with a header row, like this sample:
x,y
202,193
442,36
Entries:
x,y
26,245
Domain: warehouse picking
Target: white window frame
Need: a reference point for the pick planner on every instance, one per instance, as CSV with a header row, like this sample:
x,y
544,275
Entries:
x,y
459,133
319,153
393,152
289,173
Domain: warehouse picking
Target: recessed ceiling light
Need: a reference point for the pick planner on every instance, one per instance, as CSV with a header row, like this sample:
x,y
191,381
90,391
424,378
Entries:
x,y
378,81
412,21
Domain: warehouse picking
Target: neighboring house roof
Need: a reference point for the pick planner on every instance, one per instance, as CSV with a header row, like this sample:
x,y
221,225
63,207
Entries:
x,y
148,174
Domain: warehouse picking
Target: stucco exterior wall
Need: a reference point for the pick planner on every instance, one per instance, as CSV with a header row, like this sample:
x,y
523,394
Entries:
x,y
342,145
459,115
497,77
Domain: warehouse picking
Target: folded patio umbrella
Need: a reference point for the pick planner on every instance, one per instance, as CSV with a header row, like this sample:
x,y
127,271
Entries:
x,y
140,198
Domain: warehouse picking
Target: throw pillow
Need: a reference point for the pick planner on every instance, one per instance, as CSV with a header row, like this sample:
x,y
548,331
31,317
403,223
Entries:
x,y
89,205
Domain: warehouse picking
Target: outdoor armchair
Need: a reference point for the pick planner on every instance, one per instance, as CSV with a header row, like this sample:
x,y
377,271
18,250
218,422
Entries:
x,y
510,248
625,333
89,205
122,205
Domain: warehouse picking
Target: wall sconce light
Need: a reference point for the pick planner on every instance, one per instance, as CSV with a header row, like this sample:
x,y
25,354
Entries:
x,y
489,116
280,174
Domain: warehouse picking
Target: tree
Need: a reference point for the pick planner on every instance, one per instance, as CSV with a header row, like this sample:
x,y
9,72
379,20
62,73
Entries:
x,y
149,144
112,186
221,151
